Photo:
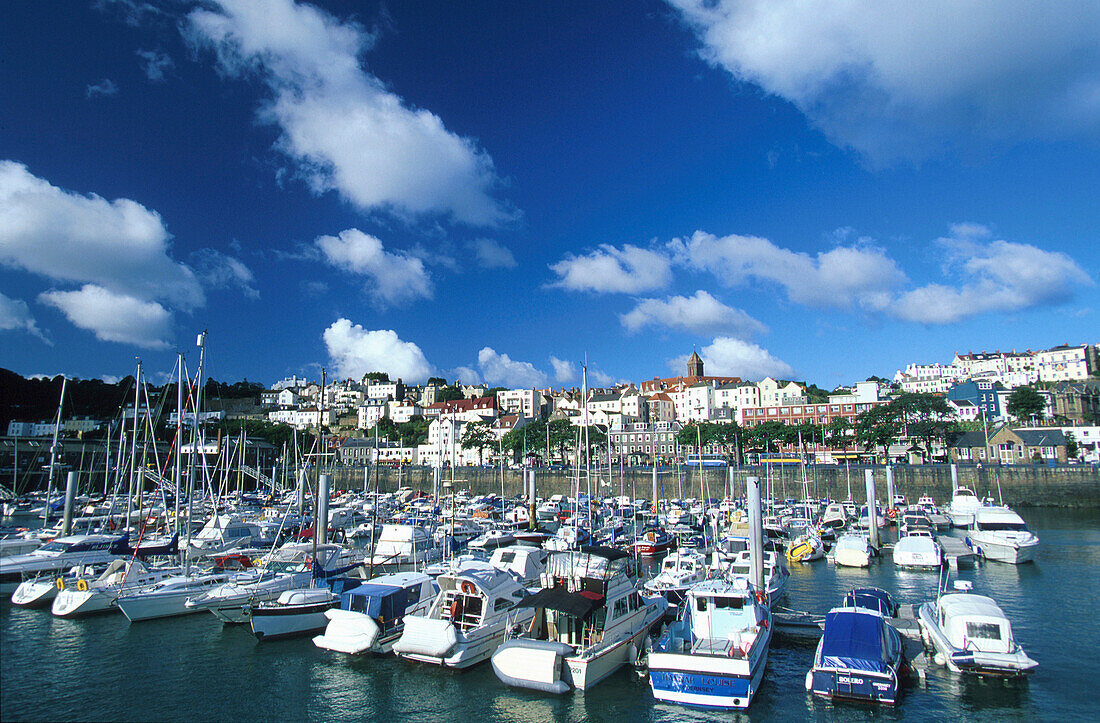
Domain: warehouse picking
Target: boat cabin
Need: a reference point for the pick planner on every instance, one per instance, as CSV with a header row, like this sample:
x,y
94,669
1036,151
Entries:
x,y
725,619
475,594
387,598
974,622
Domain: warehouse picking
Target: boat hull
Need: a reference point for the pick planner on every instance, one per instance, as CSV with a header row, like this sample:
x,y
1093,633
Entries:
x,y
1005,552
706,681
272,623
855,685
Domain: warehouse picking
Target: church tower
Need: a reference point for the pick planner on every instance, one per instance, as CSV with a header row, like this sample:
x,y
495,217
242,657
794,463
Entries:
x,y
695,365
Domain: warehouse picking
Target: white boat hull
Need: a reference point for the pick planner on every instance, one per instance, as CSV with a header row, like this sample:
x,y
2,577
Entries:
x,y
1005,552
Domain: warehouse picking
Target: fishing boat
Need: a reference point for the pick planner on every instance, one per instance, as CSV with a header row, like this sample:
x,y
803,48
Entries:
x,y
468,619
653,542
89,595
370,617
61,554
860,657
679,571
714,655
587,621
971,634
1000,534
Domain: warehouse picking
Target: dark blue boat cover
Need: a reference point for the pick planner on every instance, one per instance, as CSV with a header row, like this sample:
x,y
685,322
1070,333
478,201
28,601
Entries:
x,y
378,601
854,641
871,598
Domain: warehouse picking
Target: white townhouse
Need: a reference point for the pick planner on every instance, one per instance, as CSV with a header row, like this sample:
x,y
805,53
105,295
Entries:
x,y
693,403
524,402
774,392
1067,363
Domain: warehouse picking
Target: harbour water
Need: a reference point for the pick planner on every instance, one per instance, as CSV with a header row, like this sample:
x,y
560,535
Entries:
x,y
194,668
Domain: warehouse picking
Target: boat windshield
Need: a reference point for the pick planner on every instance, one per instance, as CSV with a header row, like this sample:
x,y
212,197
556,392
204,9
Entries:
x,y
287,566
1002,526
54,546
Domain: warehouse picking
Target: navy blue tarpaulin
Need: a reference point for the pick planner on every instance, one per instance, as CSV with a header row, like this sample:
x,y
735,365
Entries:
x,y
853,640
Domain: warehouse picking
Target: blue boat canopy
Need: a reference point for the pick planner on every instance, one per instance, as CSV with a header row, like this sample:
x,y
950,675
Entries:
x,y
382,602
871,598
854,641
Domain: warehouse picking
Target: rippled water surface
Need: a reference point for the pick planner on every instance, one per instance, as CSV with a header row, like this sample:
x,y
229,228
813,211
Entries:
x,y
195,668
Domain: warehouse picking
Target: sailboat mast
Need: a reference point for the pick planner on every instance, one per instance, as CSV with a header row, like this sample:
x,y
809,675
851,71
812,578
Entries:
x,y
53,455
179,433
133,447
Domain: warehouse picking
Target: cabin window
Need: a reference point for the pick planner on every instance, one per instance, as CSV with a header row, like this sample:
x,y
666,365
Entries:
x,y
734,603
620,608
507,557
989,631
502,603
701,604
358,604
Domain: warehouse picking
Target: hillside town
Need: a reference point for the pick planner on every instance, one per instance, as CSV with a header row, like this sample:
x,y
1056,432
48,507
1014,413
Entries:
x,y
983,407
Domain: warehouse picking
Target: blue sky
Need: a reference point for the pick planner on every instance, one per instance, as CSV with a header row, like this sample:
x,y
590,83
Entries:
x,y
497,191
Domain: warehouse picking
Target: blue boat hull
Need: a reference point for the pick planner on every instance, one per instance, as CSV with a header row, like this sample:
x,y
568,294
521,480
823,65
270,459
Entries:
x,y
856,685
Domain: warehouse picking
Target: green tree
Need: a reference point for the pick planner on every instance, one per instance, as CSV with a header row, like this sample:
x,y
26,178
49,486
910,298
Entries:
x,y
878,427
1072,450
769,435
1026,404
839,433
437,381
925,417
477,435
449,394
414,431
376,377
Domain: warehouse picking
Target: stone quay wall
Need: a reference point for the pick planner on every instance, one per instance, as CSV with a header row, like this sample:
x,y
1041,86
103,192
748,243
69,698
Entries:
x,y
1019,486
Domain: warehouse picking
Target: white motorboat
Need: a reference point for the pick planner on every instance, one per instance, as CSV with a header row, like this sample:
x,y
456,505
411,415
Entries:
x,y
835,516
468,620
928,506
404,545
1000,534
90,595
295,612
18,545
371,617
964,503
714,655
61,554
492,539
679,571
288,568
852,550
971,634
918,549
526,563
589,620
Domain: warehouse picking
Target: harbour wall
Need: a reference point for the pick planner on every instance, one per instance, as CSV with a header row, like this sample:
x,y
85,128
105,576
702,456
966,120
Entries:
x,y
1019,486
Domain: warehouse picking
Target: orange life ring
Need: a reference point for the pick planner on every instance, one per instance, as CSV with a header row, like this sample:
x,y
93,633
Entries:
x,y
454,609
892,513
468,588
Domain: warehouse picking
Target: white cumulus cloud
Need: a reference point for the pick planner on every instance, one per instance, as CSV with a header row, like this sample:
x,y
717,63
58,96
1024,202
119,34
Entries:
x,y
341,125
564,371
701,313
493,255
15,315
728,356
354,351
114,316
119,245
895,79
394,277
844,277
608,269
500,370
999,276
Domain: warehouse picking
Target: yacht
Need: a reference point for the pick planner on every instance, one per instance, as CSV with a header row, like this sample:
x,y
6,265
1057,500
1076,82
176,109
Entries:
x,y
964,503
1000,534
971,634
492,539
168,597
714,655
300,611
525,563
60,554
88,595
288,568
860,657
588,620
467,621
679,571
370,617
918,549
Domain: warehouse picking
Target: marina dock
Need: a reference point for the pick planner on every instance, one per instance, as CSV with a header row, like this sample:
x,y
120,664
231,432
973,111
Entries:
x,y
957,552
